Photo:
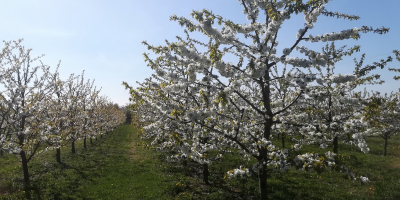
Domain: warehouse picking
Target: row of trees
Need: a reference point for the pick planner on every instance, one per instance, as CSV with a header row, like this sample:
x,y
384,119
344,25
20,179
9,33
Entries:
x,y
39,110
195,102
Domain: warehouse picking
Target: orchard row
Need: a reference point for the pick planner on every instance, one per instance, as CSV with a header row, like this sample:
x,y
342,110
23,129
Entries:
x,y
38,109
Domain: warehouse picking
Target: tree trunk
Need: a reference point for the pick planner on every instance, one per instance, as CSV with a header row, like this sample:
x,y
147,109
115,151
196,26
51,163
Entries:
x,y
91,142
206,174
84,142
262,179
58,155
385,148
283,141
262,173
335,144
25,169
184,163
96,138
73,146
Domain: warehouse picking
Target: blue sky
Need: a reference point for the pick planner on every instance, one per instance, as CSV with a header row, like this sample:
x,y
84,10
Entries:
x,y
104,37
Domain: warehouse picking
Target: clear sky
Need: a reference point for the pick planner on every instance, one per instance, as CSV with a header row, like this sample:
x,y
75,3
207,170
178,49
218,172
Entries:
x,y
104,37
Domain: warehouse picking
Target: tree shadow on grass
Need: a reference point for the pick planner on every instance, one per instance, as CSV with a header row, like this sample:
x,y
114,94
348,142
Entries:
x,y
192,176
53,180
77,170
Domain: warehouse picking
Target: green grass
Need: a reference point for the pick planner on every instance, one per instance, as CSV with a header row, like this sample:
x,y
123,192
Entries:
x,y
383,172
106,170
118,166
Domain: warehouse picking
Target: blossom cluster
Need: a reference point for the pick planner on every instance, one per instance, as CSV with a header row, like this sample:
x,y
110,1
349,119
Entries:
x,y
310,161
241,172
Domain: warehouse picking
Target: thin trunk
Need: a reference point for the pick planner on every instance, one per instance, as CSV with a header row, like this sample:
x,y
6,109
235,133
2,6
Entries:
x,y
386,144
262,178
24,160
206,173
283,141
58,155
184,163
73,146
96,139
91,142
84,142
262,173
335,144
25,169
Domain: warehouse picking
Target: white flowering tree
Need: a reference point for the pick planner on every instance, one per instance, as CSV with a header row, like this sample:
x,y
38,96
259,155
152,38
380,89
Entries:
x,y
383,113
74,114
113,116
86,112
93,114
174,129
57,114
23,98
232,104
332,104
100,125
141,102
105,119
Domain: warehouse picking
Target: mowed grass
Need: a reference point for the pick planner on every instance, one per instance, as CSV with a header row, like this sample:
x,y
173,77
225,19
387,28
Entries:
x,y
382,171
110,168
119,166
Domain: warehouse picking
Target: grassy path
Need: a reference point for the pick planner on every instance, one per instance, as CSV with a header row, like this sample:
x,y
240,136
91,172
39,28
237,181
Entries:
x,y
109,169
125,174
